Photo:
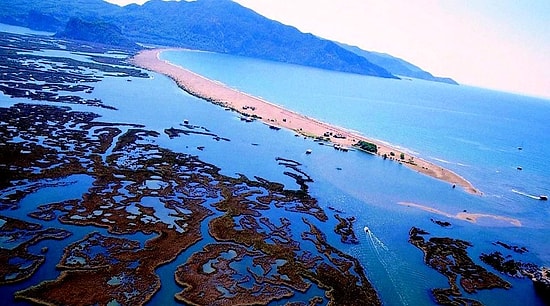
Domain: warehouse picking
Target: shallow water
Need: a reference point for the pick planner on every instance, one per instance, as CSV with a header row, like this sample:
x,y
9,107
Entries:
x,y
473,131
354,183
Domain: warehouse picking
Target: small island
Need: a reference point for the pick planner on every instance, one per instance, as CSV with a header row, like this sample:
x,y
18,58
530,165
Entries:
x,y
448,256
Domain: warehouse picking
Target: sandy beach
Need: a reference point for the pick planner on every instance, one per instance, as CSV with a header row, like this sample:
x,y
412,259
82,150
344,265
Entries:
x,y
279,117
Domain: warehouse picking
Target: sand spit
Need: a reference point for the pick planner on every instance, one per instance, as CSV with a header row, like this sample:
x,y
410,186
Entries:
x,y
278,117
465,216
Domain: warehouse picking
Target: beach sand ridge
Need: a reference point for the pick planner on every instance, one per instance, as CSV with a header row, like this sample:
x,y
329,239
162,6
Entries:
x,y
279,117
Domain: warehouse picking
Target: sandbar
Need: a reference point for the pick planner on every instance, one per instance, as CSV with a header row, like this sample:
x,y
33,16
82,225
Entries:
x,y
279,117
464,216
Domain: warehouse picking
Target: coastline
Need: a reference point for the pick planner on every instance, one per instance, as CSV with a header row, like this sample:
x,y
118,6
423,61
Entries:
x,y
279,117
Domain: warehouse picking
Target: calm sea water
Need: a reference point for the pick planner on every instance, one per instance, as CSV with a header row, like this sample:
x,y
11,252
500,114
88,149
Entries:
x,y
472,131
481,134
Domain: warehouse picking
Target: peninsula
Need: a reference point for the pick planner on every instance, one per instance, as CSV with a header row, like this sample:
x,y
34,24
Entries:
x,y
279,117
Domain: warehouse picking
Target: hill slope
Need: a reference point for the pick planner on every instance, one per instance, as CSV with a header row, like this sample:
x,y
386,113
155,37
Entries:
x,y
396,65
99,32
212,25
227,27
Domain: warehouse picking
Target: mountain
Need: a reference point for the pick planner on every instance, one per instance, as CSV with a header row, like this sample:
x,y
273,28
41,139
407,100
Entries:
x,y
396,65
227,27
98,32
211,25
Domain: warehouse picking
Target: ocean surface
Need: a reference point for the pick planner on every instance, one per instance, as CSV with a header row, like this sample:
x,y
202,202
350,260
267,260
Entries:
x,y
482,135
475,132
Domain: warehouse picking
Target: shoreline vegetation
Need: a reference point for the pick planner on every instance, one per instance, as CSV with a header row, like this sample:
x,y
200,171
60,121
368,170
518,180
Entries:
x,y
278,117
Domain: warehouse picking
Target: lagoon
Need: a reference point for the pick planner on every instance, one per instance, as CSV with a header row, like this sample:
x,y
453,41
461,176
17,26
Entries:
x,y
406,113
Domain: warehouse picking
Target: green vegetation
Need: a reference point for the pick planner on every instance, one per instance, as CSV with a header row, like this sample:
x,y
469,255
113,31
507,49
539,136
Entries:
x,y
98,32
367,146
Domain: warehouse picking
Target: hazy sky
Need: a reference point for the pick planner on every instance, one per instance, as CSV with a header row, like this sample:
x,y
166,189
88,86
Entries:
x,y
499,44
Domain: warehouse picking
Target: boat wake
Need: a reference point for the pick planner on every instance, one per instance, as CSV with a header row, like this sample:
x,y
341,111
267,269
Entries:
x,y
529,195
388,260
375,240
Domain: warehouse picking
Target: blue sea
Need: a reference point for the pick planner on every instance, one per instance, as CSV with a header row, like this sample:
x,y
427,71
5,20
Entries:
x,y
475,132
482,135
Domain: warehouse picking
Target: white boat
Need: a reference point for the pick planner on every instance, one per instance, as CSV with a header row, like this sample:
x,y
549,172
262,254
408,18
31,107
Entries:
x,y
366,229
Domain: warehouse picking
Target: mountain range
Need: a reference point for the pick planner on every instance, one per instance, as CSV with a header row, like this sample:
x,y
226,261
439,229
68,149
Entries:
x,y
211,25
396,65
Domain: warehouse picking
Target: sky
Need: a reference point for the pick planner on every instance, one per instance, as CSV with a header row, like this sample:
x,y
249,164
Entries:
x,y
496,44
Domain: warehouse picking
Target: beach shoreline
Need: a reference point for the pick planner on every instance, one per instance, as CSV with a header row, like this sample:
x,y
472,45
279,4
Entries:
x,y
276,116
